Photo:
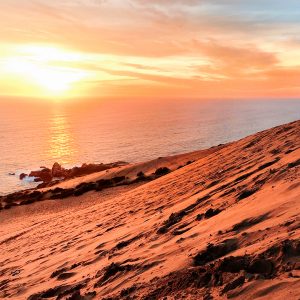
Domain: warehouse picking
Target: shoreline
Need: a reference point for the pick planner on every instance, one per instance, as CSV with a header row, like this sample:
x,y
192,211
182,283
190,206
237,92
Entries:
x,y
224,226
218,124
111,175
39,192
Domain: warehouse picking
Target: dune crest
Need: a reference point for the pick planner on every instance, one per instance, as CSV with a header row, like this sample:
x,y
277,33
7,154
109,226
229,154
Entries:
x,y
224,223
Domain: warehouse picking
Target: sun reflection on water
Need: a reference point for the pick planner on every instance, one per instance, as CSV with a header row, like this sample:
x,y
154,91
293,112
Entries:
x,y
62,145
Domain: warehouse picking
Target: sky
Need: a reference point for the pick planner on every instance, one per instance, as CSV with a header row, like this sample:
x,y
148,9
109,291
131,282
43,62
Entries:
x,y
141,48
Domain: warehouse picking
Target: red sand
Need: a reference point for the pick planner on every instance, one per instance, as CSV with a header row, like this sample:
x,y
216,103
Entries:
x,y
169,238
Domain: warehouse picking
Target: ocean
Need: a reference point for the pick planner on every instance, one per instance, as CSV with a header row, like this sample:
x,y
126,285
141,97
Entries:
x,y
39,133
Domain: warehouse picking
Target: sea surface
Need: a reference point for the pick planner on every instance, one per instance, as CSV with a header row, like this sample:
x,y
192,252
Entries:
x,y
39,133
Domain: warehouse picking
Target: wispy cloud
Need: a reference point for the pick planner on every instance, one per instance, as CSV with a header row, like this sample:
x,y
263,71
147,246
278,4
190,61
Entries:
x,y
231,45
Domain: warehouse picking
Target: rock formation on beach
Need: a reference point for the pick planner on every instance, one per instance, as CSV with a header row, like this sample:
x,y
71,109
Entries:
x,y
221,223
47,175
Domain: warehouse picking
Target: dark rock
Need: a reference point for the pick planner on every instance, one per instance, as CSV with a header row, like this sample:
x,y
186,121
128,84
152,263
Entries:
x,y
199,217
212,212
180,232
125,243
84,188
58,272
268,164
294,164
162,171
58,292
111,271
290,151
261,266
118,179
57,190
65,193
246,193
44,174
36,195
86,169
275,151
58,170
214,252
246,223
290,248
128,291
90,295
213,183
233,264
252,143
173,219
104,183
76,296
140,174
234,284
64,276
22,176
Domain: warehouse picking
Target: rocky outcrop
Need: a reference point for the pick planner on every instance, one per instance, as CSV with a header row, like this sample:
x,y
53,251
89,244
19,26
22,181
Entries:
x,y
22,176
58,170
44,174
47,175
32,195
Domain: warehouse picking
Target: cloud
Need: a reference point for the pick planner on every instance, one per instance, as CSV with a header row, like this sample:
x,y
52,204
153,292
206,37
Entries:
x,y
140,27
198,45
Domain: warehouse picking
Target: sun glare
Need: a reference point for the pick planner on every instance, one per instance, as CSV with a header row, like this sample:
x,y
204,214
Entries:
x,y
44,67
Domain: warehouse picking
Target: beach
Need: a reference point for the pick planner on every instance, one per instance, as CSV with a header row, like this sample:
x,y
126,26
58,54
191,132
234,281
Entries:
x,y
217,223
149,150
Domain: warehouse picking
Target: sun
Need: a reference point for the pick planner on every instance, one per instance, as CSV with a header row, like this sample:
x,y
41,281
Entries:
x,y
50,69
53,80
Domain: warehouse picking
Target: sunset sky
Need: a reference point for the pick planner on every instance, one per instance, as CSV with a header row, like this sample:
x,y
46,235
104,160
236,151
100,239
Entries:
x,y
143,48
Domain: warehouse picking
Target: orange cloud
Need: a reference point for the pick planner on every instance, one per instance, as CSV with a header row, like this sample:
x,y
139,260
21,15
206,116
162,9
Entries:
x,y
157,48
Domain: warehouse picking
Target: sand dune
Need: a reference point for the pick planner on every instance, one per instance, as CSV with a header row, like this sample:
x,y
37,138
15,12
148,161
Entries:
x,y
225,225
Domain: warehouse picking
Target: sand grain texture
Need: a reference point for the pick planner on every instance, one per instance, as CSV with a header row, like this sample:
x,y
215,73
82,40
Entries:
x,y
225,226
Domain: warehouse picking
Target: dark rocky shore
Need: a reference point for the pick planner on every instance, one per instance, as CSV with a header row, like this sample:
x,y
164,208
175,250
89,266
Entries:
x,y
57,173
48,176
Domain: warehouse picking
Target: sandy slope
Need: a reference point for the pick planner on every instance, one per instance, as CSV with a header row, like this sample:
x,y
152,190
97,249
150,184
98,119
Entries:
x,y
225,226
131,170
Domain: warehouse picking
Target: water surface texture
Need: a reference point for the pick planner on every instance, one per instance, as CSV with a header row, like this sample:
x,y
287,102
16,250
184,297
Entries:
x,y
34,135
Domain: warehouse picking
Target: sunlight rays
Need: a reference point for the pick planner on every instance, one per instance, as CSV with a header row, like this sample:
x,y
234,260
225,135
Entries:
x,y
39,66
